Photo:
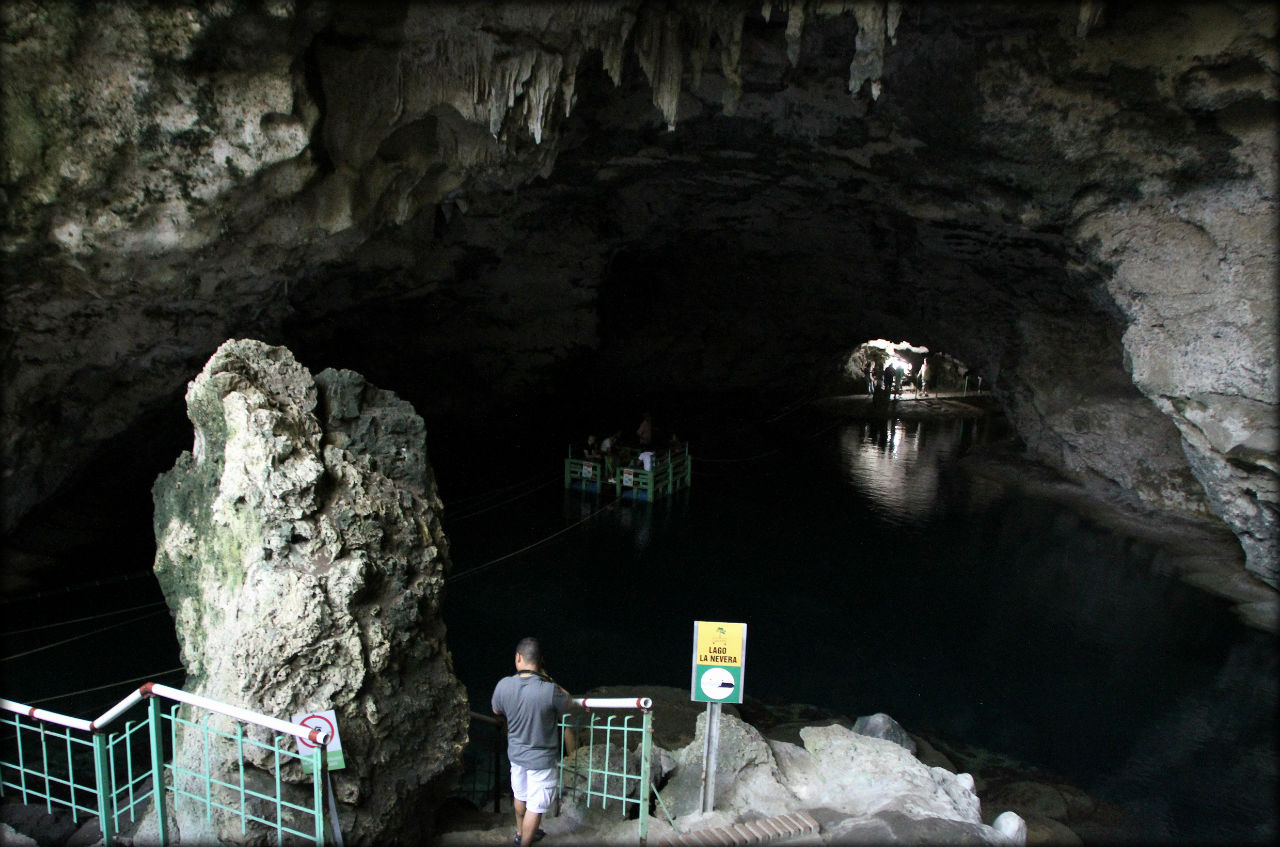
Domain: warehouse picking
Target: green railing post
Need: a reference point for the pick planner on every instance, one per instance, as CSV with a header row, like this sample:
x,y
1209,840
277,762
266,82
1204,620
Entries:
x,y
22,760
279,790
646,746
102,775
319,769
155,732
244,823
44,761
208,769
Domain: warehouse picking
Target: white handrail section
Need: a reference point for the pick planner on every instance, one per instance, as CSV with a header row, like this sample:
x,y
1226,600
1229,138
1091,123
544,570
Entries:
x,y
589,703
315,735
45,715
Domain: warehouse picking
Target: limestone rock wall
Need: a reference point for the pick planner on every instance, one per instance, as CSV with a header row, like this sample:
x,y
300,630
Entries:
x,y
1078,200
300,550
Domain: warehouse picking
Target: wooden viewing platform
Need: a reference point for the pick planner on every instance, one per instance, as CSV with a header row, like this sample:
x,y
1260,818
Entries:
x,y
669,472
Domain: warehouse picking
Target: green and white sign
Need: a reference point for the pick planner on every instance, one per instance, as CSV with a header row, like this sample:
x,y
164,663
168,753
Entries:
x,y
719,661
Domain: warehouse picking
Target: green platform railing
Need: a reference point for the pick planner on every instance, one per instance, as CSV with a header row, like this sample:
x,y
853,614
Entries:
x,y
668,472
596,757
667,475
586,474
70,763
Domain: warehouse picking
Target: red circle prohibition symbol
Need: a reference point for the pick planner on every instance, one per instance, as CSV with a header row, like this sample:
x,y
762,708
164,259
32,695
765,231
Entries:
x,y
316,723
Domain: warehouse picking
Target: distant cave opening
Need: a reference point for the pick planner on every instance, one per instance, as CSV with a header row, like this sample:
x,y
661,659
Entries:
x,y
896,366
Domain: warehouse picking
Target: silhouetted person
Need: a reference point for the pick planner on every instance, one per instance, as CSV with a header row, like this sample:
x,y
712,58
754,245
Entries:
x,y
644,432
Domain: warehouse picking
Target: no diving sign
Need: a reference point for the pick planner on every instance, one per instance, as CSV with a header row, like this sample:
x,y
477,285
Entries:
x,y
719,659
328,721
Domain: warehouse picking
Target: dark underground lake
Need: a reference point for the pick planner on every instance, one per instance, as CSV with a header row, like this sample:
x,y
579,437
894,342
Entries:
x,y
877,568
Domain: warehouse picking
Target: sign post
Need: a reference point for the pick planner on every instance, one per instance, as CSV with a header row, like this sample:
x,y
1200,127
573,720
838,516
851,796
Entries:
x,y
719,661
333,757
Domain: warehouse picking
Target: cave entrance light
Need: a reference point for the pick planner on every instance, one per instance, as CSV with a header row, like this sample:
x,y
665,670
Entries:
x,y
940,371
872,358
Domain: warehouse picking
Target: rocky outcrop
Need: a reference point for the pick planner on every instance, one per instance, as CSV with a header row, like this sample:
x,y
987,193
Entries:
x,y
1077,200
858,787
300,550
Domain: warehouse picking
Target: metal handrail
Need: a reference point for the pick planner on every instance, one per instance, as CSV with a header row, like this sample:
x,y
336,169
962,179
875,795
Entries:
x,y
644,704
610,732
103,742
314,735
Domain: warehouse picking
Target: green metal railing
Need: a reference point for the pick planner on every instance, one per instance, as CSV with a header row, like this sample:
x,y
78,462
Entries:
x,y
668,472
72,763
596,758
587,474
667,475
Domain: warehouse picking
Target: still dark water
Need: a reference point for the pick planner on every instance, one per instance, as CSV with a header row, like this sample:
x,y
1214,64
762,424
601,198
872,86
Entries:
x,y
874,574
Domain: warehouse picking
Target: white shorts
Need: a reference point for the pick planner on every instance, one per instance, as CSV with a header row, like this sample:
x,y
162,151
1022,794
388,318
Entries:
x,y
536,789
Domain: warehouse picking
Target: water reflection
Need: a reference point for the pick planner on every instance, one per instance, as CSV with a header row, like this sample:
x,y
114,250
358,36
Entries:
x,y
895,463
636,520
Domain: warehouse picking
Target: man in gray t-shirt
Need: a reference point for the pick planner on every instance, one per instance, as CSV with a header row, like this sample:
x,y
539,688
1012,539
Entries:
x,y
532,704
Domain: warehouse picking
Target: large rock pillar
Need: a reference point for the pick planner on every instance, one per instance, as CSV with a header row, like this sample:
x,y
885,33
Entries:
x,y
299,547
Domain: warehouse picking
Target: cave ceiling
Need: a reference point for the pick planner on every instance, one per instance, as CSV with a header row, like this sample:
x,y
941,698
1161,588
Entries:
x,y
1076,199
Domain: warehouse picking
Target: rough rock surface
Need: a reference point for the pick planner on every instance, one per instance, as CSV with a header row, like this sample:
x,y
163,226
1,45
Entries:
x,y
300,550
858,787
1077,200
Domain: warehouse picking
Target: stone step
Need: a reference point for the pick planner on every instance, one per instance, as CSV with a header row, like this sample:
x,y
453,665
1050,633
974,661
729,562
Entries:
x,y
778,829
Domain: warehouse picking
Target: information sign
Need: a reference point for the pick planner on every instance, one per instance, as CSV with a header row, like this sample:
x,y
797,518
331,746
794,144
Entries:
x,y
328,721
719,660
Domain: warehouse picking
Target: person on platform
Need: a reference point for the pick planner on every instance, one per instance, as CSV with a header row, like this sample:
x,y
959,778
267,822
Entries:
x,y
644,432
531,703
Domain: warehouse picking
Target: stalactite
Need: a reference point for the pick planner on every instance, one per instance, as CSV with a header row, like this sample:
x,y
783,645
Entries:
x,y
613,46
699,49
729,31
657,47
877,21
868,57
795,29
892,14
1090,13
723,23
506,83
569,82
541,92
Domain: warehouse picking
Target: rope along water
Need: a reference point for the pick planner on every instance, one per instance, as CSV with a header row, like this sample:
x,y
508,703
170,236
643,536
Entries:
x,y
472,499
79,637
115,684
537,543
79,620
534,490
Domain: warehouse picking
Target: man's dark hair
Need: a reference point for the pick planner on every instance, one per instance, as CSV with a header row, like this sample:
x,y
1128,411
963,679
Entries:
x,y
531,650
